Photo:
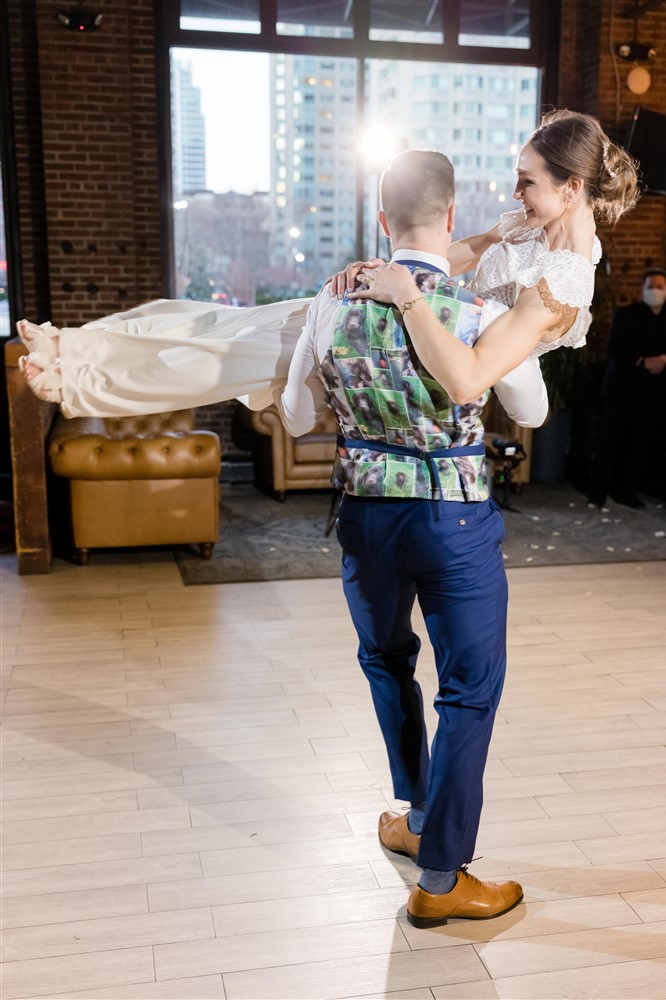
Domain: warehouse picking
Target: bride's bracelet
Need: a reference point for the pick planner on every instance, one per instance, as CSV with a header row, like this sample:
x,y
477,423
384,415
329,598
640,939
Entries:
x,y
406,306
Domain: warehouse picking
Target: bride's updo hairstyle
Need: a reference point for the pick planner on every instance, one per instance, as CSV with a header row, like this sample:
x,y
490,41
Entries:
x,y
575,145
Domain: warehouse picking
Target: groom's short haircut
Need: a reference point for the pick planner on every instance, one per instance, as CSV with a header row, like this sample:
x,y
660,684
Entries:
x,y
416,187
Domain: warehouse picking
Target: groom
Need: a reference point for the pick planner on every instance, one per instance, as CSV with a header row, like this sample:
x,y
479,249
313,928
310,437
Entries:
x,y
416,522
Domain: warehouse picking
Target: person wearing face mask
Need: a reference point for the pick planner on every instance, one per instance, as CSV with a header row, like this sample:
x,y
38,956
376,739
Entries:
x,y
634,383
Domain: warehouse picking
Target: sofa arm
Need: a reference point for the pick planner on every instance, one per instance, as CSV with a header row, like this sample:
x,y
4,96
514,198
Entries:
x,y
265,421
192,455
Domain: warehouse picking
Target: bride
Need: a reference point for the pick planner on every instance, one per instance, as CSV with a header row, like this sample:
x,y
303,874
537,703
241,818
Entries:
x,y
539,262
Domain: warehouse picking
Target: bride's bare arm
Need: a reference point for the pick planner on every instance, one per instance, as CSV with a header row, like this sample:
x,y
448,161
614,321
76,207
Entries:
x,y
466,372
464,254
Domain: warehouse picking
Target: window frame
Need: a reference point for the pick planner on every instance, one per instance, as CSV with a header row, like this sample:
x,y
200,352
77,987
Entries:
x,y
544,17
542,54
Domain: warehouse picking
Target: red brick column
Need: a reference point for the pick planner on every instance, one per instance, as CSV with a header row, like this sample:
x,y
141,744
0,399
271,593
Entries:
x,y
588,82
88,181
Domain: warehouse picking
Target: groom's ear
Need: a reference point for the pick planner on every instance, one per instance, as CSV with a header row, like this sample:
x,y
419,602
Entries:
x,y
450,218
383,222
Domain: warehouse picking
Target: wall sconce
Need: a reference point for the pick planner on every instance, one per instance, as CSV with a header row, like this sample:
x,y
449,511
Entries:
x,y
79,19
635,51
638,80
638,77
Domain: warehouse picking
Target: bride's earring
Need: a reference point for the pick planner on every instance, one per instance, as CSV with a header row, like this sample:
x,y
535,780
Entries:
x,y
568,200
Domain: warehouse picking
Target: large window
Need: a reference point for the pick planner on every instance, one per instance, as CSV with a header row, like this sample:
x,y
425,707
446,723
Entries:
x,y
280,129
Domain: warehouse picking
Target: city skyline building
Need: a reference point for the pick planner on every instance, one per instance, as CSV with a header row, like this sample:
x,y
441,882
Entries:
x,y
313,164
188,132
479,115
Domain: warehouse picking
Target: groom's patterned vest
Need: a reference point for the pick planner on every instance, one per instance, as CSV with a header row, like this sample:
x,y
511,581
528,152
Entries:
x,y
418,443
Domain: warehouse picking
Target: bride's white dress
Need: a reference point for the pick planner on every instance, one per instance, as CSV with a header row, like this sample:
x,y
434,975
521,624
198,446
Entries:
x,y
171,354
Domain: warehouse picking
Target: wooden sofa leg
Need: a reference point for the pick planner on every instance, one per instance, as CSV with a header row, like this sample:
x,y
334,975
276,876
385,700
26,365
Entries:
x,y
82,556
281,496
206,549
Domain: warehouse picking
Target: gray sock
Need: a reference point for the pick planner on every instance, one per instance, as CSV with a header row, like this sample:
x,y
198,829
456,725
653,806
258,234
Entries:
x,y
415,817
437,883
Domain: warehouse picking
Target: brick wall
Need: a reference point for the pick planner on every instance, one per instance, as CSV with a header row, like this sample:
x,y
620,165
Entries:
x,y
639,240
220,418
97,98
588,82
579,55
31,208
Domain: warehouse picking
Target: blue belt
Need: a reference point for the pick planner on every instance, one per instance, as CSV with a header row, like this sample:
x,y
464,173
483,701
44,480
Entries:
x,y
425,456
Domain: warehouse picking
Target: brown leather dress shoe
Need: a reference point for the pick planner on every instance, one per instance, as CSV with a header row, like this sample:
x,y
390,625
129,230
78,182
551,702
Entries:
x,y
469,898
395,835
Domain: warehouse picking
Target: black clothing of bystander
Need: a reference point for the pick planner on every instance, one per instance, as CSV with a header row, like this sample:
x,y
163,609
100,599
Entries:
x,y
631,454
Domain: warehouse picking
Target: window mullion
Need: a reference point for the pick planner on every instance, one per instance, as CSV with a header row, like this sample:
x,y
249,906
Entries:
x,y
360,169
167,19
268,15
361,19
451,16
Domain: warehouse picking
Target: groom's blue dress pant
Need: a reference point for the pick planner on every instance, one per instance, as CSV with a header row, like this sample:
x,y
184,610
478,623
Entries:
x,y
446,554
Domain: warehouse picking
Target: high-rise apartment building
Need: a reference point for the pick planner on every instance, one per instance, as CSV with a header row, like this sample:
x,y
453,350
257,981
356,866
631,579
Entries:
x,y
188,148
313,169
478,115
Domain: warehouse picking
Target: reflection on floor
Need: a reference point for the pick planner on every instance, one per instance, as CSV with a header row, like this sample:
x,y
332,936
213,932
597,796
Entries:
x,y
193,778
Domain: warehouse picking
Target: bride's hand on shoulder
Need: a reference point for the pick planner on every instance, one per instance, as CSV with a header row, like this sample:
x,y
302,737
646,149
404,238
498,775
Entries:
x,y
393,283
343,280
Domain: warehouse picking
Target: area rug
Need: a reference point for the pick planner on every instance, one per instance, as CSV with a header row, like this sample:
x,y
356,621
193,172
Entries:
x,y
261,539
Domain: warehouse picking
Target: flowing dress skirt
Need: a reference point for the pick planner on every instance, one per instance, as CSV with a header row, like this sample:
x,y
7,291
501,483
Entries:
x,y
170,354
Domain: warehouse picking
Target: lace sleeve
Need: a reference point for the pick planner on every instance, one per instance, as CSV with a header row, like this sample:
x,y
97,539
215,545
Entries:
x,y
568,277
512,227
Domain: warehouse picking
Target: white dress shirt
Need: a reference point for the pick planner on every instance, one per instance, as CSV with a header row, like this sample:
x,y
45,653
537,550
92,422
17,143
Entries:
x,y
522,392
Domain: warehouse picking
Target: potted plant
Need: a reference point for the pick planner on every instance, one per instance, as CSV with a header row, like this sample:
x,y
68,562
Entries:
x,y
573,379
562,370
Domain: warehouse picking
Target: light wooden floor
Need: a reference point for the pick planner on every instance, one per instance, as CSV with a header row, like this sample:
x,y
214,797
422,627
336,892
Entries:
x,y
193,778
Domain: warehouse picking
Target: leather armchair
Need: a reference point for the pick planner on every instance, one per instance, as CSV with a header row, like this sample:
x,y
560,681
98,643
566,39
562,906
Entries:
x,y
139,481
288,463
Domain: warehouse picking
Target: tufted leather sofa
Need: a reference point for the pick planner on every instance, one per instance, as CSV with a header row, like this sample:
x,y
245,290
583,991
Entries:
x,y
150,480
288,463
